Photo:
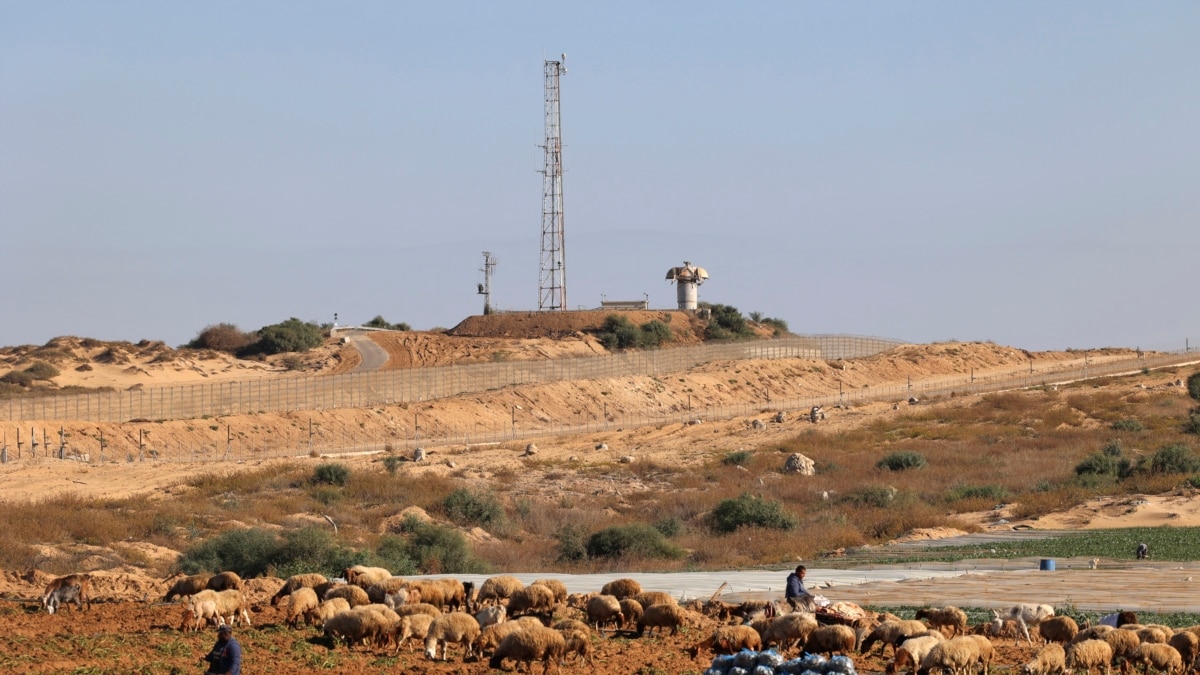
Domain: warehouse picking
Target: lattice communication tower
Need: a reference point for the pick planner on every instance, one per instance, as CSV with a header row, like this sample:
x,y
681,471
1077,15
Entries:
x,y
552,282
485,289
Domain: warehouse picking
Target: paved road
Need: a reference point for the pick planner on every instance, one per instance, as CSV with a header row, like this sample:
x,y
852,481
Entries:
x,y
374,357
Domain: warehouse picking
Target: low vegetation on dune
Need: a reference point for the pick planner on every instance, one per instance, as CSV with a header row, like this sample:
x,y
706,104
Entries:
x,y
1040,451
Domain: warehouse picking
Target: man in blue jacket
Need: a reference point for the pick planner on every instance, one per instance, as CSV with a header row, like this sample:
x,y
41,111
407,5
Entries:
x,y
226,656
795,586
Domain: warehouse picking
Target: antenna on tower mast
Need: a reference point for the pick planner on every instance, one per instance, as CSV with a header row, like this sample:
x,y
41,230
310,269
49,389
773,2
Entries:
x,y
485,289
552,281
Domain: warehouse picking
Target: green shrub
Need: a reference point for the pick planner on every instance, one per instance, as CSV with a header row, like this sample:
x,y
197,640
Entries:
x,y
778,326
223,337
1193,385
1192,424
874,496
1097,464
901,461
1173,459
292,335
468,508
292,362
993,492
725,322
571,543
617,332
380,322
249,552
1194,481
435,549
18,378
313,549
393,553
1128,425
749,511
637,540
738,458
330,473
653,334
392,463
40,370
669,527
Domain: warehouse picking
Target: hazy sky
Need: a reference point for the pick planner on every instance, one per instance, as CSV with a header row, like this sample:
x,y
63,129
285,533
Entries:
x,y
1022,172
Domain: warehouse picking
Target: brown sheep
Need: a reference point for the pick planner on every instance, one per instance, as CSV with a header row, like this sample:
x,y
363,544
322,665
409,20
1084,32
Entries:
x,y
377,592
544,644
1060,629
559,588
76,588
533,599
729,640
300,603
951,618
789,629
365,577
567,625
431,592
830,639
1089,654
197,614
1093,633
1124,643
230,604
1187,644
577,642
892,633
491,636
354,595
300,581
1163,658
632,611
225,581
187,586
415,626
326,610
418,608
495,589
1051,660
580,600
951,657
622,588
648,598
602,609
986,651
664,616
457,628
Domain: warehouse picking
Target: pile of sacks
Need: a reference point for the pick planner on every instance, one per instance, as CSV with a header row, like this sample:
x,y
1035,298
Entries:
x,y
769,662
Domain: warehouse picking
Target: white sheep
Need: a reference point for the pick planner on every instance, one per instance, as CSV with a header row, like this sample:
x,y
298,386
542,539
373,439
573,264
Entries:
x,y
889,633
230,603
489,616
912,651
197,614
455,627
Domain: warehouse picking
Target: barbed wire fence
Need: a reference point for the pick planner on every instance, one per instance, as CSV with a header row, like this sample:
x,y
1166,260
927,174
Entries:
x,y
46,442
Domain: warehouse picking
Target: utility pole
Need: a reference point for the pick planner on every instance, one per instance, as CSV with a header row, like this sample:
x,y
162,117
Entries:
x,y
485,289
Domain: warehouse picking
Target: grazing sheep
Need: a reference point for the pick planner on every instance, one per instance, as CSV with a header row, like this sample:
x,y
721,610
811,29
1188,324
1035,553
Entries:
x,y
1059,629
1163,658
577,642
377,592
951,657
299,581
729,640
354,627
300,603
396,599
197,614
225,581
789,629
997,629
449,594
892,633
567,625
648,598
187,586
530,645
489,616
579,600
559,588
912,651
354,595
603,609
1124,643
830,639
230,603
952,618
365,577
456,627
491,636
1087,655
74,588
326,610
986,652
415,626
1026,615
418,608
632,611
663,616
495,589
431,592
1154,635
622,588
1051,660
1187,644
1093,633
533,599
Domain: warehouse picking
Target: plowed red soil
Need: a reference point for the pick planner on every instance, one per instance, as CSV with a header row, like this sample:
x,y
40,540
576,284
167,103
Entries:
x,y
136,637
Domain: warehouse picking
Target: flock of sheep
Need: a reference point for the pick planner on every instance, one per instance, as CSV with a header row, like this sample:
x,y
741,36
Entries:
x,y
506,620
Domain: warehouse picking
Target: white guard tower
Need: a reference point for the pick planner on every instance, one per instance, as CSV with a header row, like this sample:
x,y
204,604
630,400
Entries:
x,y
687,280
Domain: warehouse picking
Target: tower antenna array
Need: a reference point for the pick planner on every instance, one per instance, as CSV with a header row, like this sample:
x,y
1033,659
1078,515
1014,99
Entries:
x,y
552,282
485,289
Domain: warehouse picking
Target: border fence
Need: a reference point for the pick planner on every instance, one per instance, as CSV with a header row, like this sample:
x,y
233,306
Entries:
x,y
356,390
